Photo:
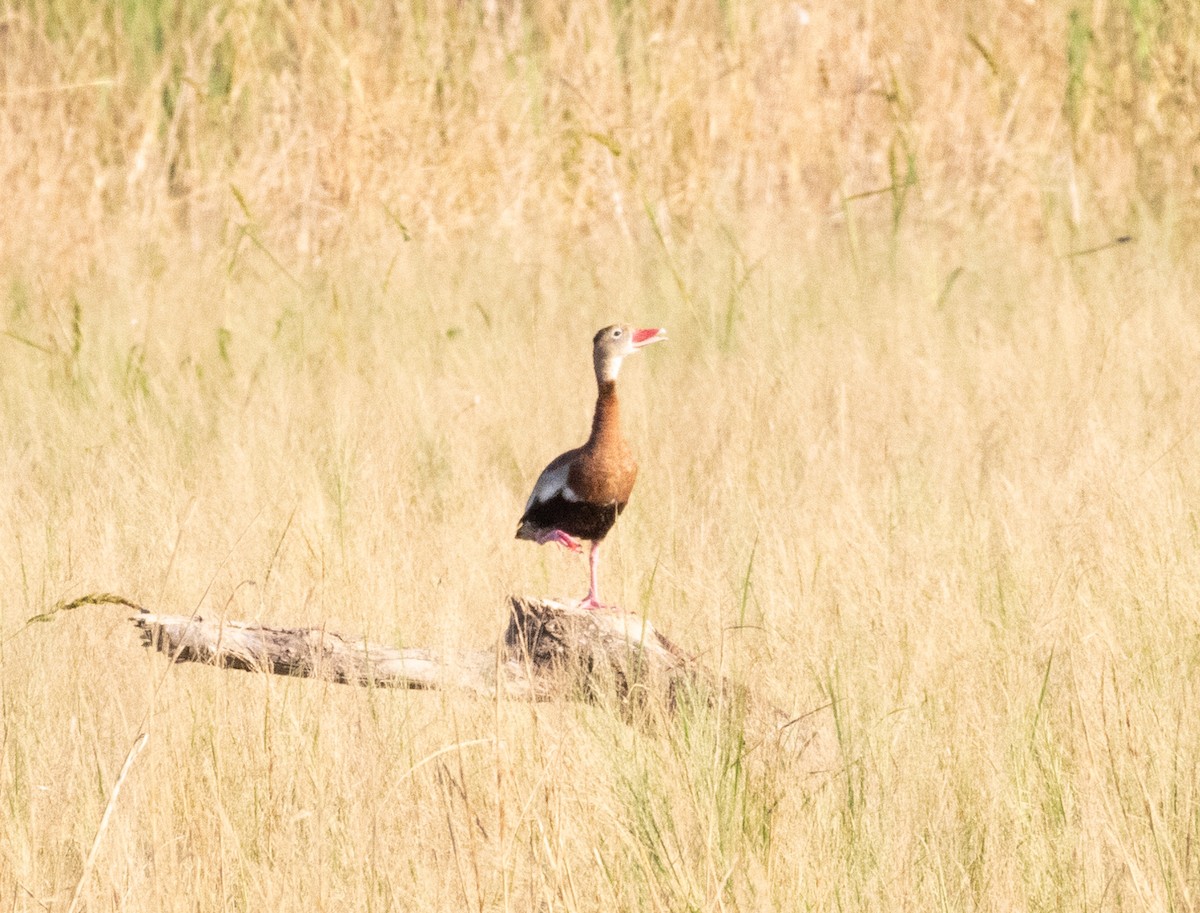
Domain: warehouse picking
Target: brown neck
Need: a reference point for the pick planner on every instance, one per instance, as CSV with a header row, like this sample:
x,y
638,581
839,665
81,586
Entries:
x,y
606,423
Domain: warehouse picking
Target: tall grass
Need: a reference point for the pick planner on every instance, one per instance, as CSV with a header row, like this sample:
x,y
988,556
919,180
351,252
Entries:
x,y
296,300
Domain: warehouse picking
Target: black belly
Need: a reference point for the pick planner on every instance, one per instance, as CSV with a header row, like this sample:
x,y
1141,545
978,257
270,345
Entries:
x,y
580,519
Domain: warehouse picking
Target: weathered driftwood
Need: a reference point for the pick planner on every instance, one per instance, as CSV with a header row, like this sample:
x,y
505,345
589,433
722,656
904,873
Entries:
x,y
309,653
548,650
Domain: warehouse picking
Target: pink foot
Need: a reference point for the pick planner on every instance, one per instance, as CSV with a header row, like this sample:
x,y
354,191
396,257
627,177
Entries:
x,y
592,603
557,535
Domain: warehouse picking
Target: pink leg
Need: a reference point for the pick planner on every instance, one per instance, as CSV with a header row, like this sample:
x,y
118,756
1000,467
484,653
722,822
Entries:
x,y
592,600
557,535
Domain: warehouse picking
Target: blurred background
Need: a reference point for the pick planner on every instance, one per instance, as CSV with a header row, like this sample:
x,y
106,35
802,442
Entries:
x,y
296,300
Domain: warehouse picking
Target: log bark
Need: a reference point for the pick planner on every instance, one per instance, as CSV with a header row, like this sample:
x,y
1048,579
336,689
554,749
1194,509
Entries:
x,y
549,650
310,653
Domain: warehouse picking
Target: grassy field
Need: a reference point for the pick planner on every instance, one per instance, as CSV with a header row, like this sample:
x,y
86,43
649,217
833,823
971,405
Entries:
x,y
297,299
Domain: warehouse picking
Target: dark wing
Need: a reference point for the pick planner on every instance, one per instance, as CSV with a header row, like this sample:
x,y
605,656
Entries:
x,y
552,483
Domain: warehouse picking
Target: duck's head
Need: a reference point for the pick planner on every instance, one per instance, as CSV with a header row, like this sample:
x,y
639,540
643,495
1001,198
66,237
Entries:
x,y
612,344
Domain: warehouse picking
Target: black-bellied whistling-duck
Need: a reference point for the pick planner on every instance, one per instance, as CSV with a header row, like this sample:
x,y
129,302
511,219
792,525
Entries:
x,y
583,491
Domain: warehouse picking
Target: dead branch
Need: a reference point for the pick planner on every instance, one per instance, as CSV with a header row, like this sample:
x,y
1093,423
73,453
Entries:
x,y
549,650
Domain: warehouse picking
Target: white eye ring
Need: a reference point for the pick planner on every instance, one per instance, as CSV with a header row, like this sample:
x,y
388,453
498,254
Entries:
x,y
616,333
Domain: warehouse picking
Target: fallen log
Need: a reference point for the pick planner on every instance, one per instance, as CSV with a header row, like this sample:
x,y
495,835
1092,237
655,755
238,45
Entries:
x,y
310,653
548,650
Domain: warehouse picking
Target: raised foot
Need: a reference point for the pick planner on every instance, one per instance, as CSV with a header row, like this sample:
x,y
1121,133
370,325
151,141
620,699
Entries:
x,y
558,536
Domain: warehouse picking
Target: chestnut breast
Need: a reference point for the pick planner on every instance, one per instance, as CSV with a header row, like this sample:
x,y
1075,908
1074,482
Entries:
x,y
605,470
604,473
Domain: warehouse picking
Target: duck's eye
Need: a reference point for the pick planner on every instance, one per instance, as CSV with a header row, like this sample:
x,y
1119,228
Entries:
x,y
616,334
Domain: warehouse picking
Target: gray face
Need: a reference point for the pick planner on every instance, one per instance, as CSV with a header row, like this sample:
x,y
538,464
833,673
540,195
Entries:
x,y
609,347
614,340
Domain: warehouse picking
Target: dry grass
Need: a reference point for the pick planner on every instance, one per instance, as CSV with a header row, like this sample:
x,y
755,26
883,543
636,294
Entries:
x,y
296,302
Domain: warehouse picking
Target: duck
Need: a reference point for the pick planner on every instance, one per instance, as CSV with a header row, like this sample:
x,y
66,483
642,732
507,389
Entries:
x,y
581,493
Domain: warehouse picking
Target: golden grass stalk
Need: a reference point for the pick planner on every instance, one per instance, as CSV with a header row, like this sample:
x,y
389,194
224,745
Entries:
x,y
109,807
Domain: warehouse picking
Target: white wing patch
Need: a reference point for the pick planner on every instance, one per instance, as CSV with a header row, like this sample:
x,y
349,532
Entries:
x,y
551,482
